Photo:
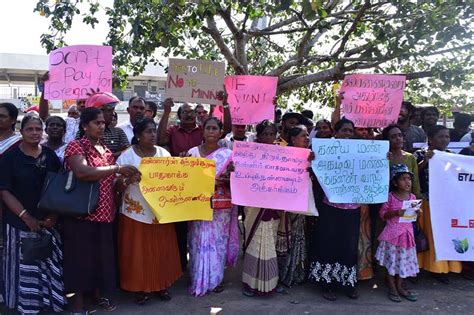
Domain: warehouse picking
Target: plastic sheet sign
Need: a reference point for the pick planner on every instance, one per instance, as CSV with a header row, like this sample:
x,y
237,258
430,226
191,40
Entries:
x,y
196,81
372,100
352,171
178,189
451,184
270,176
250,98
74,70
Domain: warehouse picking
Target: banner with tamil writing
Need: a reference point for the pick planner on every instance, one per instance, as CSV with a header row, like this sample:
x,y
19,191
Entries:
x,y
270,176
372,100
451,182
195,81
178,189
75,70
352,171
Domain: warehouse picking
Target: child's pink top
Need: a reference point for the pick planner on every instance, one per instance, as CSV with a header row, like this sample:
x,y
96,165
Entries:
x,y
398,234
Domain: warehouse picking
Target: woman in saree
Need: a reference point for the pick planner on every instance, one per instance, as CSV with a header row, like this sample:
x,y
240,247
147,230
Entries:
x,y
147,250
260,269
213,244
291,241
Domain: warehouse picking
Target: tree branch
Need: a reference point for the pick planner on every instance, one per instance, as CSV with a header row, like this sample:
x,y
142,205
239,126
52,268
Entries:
x,y
279,24
212,30
353,27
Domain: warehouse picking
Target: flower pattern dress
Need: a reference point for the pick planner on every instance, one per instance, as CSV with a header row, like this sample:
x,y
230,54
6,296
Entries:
x,y
212,244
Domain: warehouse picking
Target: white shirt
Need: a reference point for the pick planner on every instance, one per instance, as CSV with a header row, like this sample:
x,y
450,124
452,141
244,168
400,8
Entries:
x,y
128,129
467,137
134,205
72,127
228,141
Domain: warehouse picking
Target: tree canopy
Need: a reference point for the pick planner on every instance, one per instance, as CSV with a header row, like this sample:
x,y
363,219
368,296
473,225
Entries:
x,y
308,44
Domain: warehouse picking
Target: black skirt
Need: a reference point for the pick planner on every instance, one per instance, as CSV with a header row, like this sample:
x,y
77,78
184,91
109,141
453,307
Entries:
x,y
334,249
89,256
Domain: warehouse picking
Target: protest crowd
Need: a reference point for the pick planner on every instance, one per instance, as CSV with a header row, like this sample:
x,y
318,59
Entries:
x,y
76,255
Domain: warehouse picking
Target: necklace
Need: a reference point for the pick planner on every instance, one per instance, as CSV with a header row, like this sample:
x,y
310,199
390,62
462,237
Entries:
x,y
141,153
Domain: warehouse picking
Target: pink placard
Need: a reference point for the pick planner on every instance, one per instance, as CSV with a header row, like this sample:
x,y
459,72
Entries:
x,y
218,112
270,176
250,98
74,70
372,100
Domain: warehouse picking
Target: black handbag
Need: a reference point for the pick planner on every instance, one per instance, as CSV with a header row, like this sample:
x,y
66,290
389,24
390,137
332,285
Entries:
x,y
64,194
34,248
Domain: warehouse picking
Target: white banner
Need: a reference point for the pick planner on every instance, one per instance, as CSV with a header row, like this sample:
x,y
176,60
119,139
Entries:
x,y
451,205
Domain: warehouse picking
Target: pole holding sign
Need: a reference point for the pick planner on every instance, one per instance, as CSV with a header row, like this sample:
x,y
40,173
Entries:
x,y
372,100
195,81
75,70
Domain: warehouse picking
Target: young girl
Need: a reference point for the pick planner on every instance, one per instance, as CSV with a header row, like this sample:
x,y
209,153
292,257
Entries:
x,y
397,251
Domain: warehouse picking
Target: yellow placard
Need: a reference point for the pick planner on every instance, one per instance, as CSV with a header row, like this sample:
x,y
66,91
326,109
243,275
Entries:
x,y
178,189
335,88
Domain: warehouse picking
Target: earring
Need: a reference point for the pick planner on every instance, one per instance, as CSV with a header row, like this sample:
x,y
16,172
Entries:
x,y
138,139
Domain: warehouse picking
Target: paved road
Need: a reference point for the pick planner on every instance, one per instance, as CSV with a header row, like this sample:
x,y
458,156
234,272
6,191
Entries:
x,y
434,298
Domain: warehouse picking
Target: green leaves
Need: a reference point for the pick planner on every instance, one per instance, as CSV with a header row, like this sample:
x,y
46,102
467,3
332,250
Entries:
x,y
291,39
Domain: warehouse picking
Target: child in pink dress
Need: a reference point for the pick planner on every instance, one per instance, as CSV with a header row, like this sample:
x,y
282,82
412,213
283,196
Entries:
x,y
397,249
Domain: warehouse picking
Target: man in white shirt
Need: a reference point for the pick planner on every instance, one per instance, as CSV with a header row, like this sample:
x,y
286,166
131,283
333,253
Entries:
x,y
238,133
136,111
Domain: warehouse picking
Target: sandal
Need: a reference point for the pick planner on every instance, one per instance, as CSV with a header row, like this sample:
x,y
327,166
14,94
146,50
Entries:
x,y
329,295
443,278
394,297
410,296
218,289
353,295
248,293
106,304
141,298
164,295
281,289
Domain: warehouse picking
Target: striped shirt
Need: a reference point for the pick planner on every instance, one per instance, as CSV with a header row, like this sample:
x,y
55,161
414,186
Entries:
x,y
114,139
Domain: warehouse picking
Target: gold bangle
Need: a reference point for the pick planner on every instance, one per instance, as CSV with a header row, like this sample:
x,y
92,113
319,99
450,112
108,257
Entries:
x,y
22,213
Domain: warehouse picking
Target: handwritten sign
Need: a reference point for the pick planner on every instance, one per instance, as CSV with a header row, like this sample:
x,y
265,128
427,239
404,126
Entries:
x,y
372,100
196,81
74,70
250,98
352,171
411,208
270,176
178,189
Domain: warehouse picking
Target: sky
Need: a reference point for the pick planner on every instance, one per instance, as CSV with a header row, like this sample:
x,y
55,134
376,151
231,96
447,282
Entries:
x,y
21,28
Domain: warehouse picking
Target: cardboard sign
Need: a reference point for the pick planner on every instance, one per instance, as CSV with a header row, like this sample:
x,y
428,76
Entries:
x,y
195,81
178,189
352,171
250,98
270,176
372,100
451,185
74,70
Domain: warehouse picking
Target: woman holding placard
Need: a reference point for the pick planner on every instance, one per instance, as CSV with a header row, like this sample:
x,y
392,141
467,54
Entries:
x,y
213,244
148,251
438,139
291,242
335,238
260,269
